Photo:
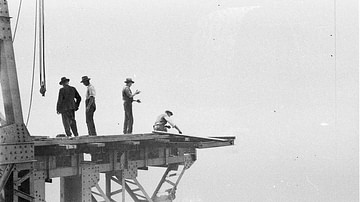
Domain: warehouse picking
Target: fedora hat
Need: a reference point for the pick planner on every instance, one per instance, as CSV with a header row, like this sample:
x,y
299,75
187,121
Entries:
x,y
84,78
63,79
129,80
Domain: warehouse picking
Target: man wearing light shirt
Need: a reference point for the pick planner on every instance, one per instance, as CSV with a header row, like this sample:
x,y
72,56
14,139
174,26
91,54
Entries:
x,y
90,105
128,98
162,120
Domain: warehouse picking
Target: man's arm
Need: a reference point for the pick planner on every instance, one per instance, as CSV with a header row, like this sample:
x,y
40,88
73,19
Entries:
x,y
78,99
59,102
129,94
91,101
172,124
92,94
178,129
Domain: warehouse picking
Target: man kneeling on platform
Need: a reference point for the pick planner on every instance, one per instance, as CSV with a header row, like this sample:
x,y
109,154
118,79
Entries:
x,y
162,120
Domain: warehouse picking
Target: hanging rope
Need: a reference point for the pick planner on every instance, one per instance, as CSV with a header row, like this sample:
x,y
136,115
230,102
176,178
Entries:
x,y
42,48
33,65
17,20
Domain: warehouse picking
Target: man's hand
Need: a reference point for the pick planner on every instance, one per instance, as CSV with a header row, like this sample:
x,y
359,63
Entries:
x,y
138,101
137,92
77,108
180,132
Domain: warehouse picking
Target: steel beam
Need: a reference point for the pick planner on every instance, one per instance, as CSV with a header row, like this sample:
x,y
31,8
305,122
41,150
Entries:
x,y
8,74
39,186
16,151
5,172
172,177
119,156
70,189
19,186
101,193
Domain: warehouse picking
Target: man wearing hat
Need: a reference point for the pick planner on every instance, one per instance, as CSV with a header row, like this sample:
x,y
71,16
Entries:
x,y
90,105
68,102
162,120
128,98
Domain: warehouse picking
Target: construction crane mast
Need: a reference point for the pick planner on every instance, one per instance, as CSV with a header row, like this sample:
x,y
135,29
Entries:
x,y
28,162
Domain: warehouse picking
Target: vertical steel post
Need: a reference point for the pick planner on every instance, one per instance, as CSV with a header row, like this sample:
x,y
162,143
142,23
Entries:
x,y
108,185
70,189
78,188
8,74
39,186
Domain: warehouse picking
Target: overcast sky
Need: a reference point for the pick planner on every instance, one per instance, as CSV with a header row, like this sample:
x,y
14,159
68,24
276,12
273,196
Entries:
x,y
281,76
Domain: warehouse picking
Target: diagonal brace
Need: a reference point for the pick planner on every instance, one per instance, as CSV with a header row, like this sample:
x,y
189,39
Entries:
x,y
5,175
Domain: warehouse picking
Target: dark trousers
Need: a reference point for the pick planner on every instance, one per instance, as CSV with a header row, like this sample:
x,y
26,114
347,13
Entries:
x,y
68,119
129,119
89,114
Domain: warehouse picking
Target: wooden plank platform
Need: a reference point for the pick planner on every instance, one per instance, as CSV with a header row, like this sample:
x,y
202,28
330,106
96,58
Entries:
x,y
155,136
97,139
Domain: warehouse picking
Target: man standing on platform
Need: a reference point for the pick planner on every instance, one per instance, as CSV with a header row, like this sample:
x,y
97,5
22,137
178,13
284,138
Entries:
x,y
68,102
128,98
162,120
90,105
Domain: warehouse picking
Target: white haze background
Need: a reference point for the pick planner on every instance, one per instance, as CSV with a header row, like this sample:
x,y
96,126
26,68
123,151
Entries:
x,y
281,76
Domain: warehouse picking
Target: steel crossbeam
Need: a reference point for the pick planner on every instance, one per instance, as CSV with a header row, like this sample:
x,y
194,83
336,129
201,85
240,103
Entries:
x,y
79,178
5,172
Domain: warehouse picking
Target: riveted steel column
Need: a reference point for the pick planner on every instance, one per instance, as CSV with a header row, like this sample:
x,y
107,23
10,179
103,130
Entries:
x,y
17,149
78,188
70,189
39,186
108,185
8,75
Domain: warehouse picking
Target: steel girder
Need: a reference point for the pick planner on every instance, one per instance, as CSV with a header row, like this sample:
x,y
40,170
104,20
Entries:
x,y
17,163
129,183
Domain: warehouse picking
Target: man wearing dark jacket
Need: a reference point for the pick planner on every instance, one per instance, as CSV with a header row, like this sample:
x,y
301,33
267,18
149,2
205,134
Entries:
x,y
68,102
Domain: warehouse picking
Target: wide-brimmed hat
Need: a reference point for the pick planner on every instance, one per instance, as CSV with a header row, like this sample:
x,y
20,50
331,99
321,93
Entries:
x,y
63,79
169,112
84,78
129,80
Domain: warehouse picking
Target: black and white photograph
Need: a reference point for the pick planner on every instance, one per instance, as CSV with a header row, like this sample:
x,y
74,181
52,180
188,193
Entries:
x,y
179,101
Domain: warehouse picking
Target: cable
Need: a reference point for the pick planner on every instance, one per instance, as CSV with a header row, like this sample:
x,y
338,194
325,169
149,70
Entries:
x,y
42,48
44,44
17,20
33,66
40,41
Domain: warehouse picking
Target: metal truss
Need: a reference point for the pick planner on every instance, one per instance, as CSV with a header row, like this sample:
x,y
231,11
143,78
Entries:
x,y
16,164
129,183
170,181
